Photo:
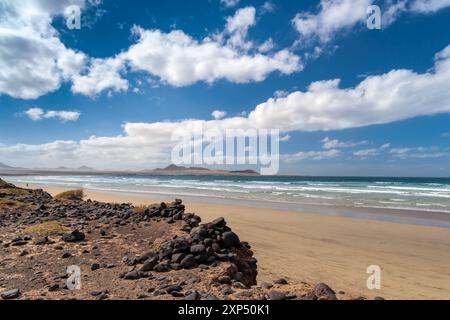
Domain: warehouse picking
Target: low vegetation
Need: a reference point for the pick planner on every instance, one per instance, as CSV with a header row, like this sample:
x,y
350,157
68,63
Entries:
x,y
11,204
6,185
71,195
142,208
49,228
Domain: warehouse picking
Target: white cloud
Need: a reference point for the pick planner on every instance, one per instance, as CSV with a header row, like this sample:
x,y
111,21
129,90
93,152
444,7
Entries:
x,y
268,7
371,152
419,153
237,28
333,16
229,3
37,114
266,46
33,61
285,138
217,115
393,96
429,6
337,16
179,60
103,74
328,143
310,155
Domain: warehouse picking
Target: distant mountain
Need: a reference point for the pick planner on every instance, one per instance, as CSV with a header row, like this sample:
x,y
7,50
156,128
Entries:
x,y
180,170
84,168
173,167
4,166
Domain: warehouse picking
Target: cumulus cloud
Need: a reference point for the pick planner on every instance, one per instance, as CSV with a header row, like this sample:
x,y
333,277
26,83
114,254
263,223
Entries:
x,y
37,114
217,114
333,16
237,27
393,96
103,75
180,60
33,61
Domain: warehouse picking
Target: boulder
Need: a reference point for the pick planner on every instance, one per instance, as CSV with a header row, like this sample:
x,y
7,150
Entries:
x,y
10,294
74,236
230,239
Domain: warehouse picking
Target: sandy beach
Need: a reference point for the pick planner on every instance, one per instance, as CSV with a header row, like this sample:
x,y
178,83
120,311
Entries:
x,y
331,249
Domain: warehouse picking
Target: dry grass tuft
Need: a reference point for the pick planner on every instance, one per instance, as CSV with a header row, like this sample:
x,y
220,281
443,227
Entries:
x,y
49,228
70,195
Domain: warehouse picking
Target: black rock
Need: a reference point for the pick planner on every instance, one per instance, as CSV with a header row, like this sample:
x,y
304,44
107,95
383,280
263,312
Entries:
x,y
197,249
224,279
195,295
133,275
10,294
188,261
178,257
161,267
277,295
165,252
227,290
149,264
281,281
218,223
266,285
41,241
53,287
201,231
210,296
95,266
24,253
177,294
74,236
324,292
230,239
19,243
101,296
172,288
66,255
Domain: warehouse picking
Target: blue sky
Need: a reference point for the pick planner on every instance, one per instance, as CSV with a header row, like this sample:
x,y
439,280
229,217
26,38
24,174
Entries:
x,y
92,96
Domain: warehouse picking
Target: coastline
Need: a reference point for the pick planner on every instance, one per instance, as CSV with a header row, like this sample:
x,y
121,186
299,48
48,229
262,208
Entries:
x,y
333,249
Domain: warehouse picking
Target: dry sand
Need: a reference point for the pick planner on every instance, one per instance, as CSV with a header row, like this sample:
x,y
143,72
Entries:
x,y
415,260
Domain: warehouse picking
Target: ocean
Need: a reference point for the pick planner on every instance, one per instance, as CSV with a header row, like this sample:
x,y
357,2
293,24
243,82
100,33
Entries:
x,y
418,194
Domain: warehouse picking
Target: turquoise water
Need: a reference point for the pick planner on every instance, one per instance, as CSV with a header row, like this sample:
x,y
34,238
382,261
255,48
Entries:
x,y
421,194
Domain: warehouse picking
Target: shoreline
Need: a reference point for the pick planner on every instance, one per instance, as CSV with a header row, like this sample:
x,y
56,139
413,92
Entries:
x,y
333,249
394,215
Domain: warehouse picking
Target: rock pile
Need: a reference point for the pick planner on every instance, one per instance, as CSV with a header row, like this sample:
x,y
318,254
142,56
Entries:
x,y
205,245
